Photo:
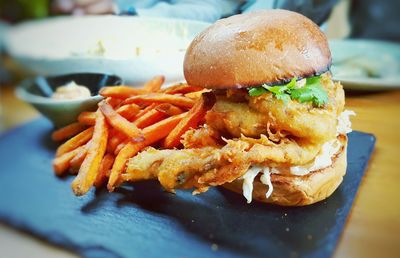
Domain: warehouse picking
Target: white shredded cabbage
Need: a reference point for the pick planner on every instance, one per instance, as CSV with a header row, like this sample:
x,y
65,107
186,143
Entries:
x,y
248,180
344,123
266,180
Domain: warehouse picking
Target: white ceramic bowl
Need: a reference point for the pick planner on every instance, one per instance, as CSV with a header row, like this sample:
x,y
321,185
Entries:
x,y
133,48
36,91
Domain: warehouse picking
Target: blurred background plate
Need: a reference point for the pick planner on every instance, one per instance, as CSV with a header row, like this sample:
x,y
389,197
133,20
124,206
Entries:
x,y
131,47
366,64
3,29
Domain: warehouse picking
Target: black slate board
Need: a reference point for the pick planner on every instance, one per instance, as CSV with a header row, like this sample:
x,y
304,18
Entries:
x,y
143,221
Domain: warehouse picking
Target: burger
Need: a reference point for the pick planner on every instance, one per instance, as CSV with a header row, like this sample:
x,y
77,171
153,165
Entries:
x,y
276,129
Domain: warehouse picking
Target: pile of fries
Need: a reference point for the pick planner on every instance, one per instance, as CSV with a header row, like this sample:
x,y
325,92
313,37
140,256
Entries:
x,y
98,146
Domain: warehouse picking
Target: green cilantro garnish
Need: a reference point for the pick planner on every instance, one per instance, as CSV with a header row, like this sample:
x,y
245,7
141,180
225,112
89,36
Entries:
x,y
282,92
256,91
312,91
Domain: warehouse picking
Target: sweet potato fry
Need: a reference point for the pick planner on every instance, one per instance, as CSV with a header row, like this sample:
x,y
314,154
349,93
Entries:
x,y
144,111
87,118
161,129
67,131
121,159
120,123
75,142
154,85
195,94
120,146
150,98
91,164
181,88
191,120
127,121
76,162
114,141
151,117
152,134
128,111
155,115
169,109
104,172
120,92
62,163
114,102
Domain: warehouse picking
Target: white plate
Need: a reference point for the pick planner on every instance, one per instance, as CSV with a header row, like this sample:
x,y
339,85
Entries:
x,y
131,47
366,64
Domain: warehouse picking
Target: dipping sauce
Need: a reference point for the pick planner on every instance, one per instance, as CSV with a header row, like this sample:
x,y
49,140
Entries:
x,y
71,91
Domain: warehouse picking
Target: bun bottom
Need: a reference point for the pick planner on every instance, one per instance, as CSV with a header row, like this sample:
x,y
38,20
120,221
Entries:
x,y
290,190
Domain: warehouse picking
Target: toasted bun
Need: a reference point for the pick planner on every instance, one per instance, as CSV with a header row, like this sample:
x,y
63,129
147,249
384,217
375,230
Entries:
x,y
269,46
300,190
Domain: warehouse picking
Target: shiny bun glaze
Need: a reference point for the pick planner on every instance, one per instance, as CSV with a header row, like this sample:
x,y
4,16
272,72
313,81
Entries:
x,y
269,46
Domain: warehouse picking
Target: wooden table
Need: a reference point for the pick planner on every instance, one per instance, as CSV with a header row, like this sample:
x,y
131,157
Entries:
x,y
373,228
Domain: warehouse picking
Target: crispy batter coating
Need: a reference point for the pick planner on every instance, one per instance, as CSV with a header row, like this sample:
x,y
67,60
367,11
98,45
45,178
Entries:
x,y
236,118
258,131
211,166
201,137
189,168
302,120
263,114
288,152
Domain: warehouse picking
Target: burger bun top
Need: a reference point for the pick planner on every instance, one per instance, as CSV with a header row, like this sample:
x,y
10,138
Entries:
x,y
268,46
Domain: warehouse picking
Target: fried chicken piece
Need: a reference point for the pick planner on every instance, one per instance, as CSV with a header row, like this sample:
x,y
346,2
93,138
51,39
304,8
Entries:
x,y
263,114
303,120
201,137
288,152
212,166
264,131
144,166
189,168
236,118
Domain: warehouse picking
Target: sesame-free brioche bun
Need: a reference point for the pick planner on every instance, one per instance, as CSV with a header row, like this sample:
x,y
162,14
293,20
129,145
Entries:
x,y
290,190
269,46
